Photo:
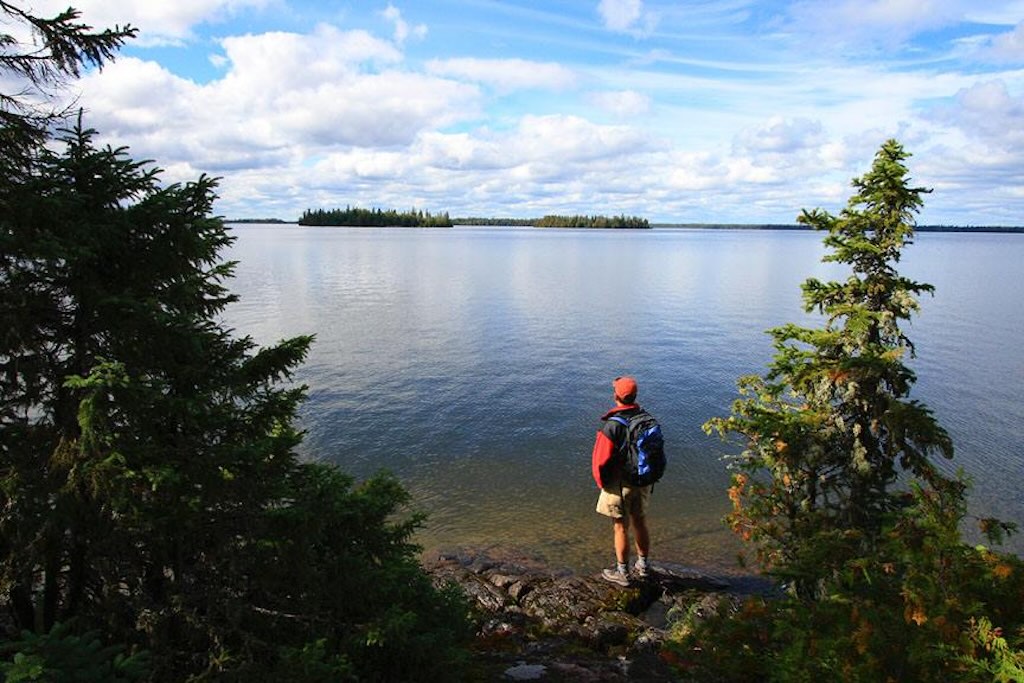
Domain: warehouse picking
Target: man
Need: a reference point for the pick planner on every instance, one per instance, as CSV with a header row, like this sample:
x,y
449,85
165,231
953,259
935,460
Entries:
x,y
624,504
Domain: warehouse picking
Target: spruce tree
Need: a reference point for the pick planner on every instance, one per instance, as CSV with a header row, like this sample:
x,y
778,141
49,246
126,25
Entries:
x,y
151,498
837,488
138,435
830,429
149,484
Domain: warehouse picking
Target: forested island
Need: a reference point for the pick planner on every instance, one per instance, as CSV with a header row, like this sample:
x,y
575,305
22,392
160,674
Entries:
x,y
970,228
503,222
558,221
622,221
358,217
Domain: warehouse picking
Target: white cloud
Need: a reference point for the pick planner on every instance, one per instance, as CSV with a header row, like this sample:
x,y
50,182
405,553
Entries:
x,y
463,152
859,23
337,117
752,131
544,164
781,136
622,103
373,110
402,28
574,139
360,165
987,111
620,15
692,172
536,140
282,97
1007,12
159,22
292,60
506,75
1005,47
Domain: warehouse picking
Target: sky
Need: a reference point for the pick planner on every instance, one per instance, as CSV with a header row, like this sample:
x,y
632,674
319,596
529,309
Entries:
x,y
724,111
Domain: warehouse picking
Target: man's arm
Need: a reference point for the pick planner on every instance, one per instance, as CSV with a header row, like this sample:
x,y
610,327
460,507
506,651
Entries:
x,y
600,458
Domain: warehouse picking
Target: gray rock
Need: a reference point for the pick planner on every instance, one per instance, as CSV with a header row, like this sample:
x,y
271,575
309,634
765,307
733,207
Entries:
x,y
487,596
502,580
518,589
526,672
554,616
607,632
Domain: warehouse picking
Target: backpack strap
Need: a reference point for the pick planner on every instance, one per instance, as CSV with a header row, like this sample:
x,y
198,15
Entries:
x,y
621,449
625,423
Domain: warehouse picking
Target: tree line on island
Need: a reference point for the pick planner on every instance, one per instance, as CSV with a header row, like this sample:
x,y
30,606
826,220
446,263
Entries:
x,y
560,221
359,217
578,221
158,524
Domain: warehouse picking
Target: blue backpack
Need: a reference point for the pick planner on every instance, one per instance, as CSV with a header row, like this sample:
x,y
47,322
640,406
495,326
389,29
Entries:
x,y
644,449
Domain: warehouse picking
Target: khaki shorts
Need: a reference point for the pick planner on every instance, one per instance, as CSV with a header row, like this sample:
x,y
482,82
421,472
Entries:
x,y
632,502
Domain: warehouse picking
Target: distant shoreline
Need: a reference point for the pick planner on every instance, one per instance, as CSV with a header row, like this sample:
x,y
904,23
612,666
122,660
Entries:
x,y
794,226
1004,229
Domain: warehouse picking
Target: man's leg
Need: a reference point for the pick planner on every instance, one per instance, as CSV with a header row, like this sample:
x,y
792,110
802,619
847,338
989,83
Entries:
x,y
619,575
611,505
621,535
643,537
638,508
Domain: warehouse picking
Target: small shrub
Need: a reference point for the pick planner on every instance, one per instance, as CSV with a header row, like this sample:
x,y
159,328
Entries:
x,y
62,656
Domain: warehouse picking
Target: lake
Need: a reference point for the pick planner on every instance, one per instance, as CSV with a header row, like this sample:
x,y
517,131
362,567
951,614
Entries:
x,y
474,363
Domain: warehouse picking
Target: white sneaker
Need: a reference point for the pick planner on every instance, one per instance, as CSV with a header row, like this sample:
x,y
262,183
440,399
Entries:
x,y
615,576
642,570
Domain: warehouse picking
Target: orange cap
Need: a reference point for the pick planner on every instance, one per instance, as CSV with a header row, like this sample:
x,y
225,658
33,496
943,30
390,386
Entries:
x,y
625,388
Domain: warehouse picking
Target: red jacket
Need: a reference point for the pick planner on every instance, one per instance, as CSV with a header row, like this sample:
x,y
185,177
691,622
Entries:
x,y
607,443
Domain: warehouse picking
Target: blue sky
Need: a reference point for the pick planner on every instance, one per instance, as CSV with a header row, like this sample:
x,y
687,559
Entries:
x,y
703,111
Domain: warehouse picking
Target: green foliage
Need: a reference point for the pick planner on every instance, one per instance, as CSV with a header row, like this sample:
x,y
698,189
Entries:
x,y
136,432
830,427
481,220
836,488
312,663
150,489
357,217
342,559
922,609
62,656
622,221
1004,664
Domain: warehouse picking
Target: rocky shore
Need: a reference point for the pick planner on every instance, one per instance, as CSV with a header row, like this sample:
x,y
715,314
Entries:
x,y
539,623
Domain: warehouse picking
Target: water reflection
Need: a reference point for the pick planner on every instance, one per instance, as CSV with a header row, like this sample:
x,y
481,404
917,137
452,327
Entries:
x,y
473,363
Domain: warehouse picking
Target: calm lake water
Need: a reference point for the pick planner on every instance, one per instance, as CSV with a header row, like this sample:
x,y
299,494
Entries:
x,y
474,364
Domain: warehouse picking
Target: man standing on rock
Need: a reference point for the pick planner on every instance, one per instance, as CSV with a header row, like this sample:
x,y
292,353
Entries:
x,y
625,504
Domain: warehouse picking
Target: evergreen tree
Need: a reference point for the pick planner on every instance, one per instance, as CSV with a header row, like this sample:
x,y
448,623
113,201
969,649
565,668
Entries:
x,y
150,494
150,488
837,489
138,435
830,428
